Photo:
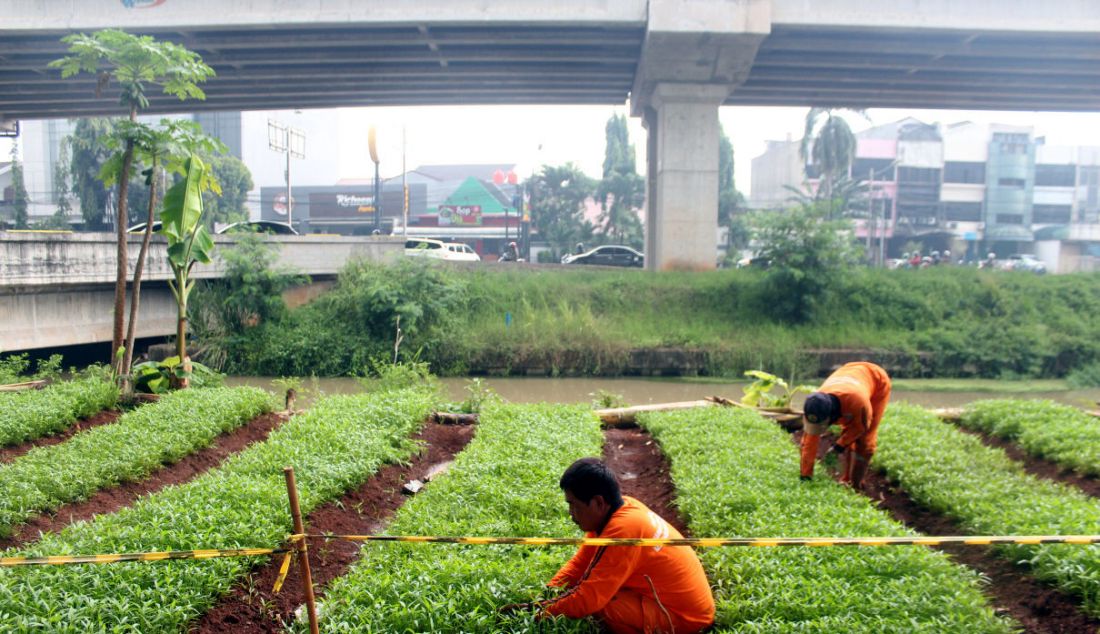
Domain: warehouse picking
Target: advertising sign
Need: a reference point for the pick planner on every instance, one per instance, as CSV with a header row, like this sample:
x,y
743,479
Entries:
x,y
339,205
459,215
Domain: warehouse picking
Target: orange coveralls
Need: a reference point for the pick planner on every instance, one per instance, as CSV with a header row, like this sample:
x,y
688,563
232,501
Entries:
x,y
618,584
864,391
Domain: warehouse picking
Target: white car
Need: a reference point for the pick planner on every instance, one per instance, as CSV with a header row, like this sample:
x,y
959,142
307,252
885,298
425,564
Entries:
x,y
438,249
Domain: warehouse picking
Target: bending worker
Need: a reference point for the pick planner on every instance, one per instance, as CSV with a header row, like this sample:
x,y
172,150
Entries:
x,y
854,397
632,589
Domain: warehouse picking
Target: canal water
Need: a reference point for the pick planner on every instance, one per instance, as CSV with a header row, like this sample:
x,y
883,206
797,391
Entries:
x,y
642,391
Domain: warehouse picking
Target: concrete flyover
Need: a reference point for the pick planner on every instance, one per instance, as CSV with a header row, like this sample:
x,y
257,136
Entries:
x,y
58,289
676,61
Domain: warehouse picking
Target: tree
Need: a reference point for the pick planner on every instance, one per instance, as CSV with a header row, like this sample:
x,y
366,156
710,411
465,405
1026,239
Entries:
x,y
622,190
134,62
805,251
236,181
729,199
88,156
557,206
829,145
60,218
19,191
847,197
189,243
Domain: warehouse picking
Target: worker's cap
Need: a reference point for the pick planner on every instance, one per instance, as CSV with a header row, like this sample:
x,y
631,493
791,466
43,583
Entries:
x,y
821,408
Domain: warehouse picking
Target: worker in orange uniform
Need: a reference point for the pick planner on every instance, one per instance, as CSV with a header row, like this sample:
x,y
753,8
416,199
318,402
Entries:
x,y
635,589
855,397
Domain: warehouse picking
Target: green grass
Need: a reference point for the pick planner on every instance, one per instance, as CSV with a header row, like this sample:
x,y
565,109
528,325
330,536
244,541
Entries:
x,y
736,475
32,414
134,446
504,483
981,385
953,473
335,446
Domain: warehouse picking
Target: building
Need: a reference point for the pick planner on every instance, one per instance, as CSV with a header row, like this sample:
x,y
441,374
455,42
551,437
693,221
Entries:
x,y
966,187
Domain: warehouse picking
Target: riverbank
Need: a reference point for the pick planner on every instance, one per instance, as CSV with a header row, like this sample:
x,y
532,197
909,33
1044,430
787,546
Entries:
x,y
560,321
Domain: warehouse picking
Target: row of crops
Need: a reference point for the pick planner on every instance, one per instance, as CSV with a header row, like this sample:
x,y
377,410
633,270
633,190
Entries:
x,y
32,414
732,471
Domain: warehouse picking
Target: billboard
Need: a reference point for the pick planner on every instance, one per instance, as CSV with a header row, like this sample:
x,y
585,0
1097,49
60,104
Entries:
x,y
459,215
340,205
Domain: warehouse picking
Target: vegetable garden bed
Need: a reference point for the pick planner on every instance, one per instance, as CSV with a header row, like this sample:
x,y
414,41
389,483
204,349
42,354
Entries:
x,y
339,443
1044,429
736,475
953,473
25,416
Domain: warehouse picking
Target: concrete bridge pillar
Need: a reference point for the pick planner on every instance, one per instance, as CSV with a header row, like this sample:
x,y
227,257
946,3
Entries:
x,y
695,53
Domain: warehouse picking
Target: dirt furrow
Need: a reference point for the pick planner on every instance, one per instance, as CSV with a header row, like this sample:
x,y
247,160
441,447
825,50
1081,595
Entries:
x,y
11,452
251,607
1039,608
1039,467
115,498
643,472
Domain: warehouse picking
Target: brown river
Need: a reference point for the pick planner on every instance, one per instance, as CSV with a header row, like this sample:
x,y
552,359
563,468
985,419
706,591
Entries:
x,y
642,391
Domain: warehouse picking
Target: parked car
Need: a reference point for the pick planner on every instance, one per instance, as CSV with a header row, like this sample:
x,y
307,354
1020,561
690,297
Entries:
x,y
1025,262
607,255
140,227
438,249
260,226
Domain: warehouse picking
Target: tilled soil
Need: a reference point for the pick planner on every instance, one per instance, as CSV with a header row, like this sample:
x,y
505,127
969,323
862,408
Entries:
x,y
11,452
252,608
115,498
643,472
1039,608
1039,467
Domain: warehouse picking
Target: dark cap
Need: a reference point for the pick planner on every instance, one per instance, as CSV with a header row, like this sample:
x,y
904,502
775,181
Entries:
x,y
821,408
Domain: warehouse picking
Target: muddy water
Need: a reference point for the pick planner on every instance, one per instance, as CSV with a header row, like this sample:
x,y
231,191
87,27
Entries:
x,y
641,391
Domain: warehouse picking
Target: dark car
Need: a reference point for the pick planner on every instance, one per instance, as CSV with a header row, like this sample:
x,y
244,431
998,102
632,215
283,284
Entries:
x,y
260,226
607,255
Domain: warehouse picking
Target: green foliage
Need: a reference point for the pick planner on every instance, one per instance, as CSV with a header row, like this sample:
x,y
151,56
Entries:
x,y
334,447
478,396
557,206
138,443
604,399
88,156
35,413
622,190
13,368
729,199
503,483
387,377
830,146
759,392
155,377
736,474
953,473
235,180
806,254
1044,429
19,191
1085,377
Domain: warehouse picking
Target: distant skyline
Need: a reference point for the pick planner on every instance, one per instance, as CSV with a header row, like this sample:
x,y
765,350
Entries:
x,y
531,136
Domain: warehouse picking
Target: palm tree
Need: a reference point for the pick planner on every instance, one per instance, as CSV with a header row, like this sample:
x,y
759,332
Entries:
x,y
829,145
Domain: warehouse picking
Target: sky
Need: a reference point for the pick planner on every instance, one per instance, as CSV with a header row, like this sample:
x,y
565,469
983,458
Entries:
x,y
534,135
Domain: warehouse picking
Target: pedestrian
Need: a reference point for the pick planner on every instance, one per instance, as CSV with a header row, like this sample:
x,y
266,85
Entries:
x,y
511,253
627,588
854,397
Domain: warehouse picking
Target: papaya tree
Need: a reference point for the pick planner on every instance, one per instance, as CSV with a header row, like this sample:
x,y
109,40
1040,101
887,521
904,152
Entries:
x,y
134,62
189,243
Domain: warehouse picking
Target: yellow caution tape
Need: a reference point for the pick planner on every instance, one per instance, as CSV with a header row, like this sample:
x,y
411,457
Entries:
x,y
709,542
285,566
63,560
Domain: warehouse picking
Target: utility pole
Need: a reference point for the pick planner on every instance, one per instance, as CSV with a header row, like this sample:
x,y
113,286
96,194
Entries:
x,y
871,215
404,187
372,145
292,141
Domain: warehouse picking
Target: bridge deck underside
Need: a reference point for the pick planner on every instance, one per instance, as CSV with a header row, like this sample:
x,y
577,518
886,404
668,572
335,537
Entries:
x,y
315,67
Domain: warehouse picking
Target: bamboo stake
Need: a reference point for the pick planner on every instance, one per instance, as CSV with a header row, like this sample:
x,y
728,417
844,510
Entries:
x,y
303,550
28,385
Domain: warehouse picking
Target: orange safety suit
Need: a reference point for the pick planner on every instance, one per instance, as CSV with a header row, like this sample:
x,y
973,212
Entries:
x,y
864,391
636,589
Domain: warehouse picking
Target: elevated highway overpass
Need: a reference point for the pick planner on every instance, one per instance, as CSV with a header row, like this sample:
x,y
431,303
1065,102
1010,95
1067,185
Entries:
x,y
675,61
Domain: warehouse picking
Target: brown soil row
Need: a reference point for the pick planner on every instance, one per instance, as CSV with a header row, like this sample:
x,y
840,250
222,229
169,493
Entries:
x,y
113,499
643,472
1039,467
251,607
1039,608
11,452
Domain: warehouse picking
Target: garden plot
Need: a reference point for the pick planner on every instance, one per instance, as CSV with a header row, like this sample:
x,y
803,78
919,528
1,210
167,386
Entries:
x,y
736,475
953,473
32,414
339,443
504,484
1044,429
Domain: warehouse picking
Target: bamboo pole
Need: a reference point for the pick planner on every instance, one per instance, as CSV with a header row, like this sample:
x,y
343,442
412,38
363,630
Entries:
x,y
303,550
453,418
27,385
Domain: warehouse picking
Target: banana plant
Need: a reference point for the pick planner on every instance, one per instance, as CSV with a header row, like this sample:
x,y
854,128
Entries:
x,y
189,243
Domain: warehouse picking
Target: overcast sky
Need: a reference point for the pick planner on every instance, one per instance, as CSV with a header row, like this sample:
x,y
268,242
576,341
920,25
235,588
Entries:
x,y
535,135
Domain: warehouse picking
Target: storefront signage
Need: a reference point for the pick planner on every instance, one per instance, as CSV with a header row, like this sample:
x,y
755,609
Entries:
x,y
459,215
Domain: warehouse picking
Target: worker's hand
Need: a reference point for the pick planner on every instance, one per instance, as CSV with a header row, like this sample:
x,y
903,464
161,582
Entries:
x,y
837,448
516,607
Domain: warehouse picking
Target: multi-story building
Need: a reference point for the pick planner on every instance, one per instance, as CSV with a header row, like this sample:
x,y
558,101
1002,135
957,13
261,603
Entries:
x,y
966,187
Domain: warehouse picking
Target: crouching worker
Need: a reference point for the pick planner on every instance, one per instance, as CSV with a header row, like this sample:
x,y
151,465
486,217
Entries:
x,y
855,397
636,589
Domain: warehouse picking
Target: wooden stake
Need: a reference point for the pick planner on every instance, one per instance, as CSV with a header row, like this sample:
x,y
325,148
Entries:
x,y
303,550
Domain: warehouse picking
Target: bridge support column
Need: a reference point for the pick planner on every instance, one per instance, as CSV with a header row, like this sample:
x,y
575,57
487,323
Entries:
x,y
682,176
